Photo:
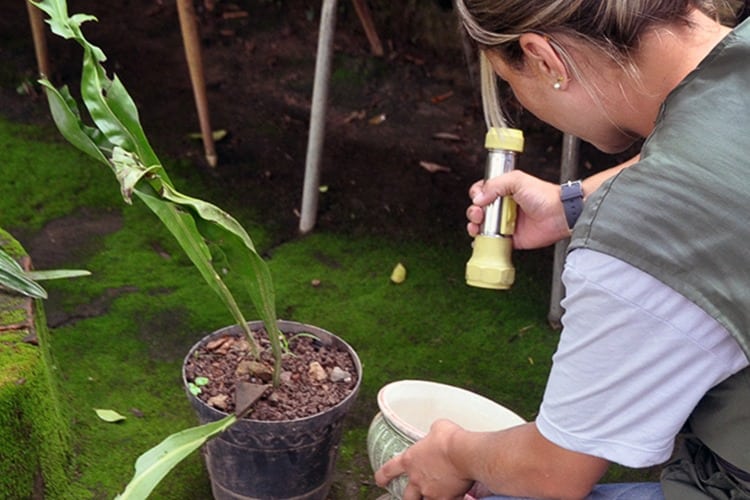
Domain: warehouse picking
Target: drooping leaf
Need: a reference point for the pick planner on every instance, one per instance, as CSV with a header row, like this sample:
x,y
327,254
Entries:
x,y
153,465
129,171
67,119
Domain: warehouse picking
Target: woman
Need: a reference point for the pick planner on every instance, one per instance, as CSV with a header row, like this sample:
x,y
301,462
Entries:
x,y
656,330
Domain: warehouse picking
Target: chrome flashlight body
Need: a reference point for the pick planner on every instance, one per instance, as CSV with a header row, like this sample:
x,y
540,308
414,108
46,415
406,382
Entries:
x,y
500,215
490,265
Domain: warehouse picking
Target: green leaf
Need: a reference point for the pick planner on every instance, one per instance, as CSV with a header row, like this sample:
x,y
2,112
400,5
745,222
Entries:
x,y
201,381
13,277
153,465
54,274
67,119
110,416
119,141
61,24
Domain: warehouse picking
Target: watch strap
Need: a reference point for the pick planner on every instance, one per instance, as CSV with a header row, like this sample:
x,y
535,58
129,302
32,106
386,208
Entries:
x,y
571,195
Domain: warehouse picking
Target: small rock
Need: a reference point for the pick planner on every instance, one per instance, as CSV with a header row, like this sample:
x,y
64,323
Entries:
x,y
285,377
31,339
315,283
255,369
221,345
219,401
339,375
317,372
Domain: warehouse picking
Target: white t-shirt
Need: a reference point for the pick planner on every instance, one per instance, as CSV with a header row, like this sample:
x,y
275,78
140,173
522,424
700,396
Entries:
x,y
634,359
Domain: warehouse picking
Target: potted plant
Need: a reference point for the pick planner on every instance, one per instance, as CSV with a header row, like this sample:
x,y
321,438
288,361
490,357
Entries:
x,y
252,450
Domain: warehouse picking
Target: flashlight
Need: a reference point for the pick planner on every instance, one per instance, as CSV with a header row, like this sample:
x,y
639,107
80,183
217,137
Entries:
x,y
490,264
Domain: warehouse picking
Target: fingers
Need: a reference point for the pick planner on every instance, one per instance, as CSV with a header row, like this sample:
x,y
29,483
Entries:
x,y
389,471
475,189
475,214
478,490
411,492
485,192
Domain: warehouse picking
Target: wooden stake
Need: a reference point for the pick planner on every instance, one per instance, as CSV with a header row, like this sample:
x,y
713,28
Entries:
x,y
40,40
191,41
363,12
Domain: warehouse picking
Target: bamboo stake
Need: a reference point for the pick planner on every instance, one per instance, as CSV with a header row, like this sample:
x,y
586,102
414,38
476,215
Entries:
x,y
191,42
365,17
40,41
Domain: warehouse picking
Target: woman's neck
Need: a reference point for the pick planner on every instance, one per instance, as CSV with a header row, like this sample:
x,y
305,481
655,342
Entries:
x,y
660,71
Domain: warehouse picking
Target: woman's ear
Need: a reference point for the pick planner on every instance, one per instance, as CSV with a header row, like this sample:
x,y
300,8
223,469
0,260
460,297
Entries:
x,y
540,56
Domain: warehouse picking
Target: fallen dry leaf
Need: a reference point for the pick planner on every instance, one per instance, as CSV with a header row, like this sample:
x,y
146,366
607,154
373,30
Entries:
x,y
377,120
433,167
354,115
246,393
398,275
109,416
238,14
216,134
447,136
442,97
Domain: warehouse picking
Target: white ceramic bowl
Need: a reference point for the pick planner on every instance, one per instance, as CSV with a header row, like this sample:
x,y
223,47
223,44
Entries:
x,y
409,407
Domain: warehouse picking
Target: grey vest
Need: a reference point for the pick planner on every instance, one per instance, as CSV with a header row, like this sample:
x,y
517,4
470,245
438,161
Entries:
x,y
682,214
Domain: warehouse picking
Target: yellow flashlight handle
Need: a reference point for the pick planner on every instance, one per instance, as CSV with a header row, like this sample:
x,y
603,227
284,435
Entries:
x,y
508,214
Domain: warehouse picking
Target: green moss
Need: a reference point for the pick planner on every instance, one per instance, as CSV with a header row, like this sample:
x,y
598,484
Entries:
x,y
52,178
10,245
35,455
11,311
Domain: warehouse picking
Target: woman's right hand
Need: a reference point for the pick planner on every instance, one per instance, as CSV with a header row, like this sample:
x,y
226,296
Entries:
x,y
541,219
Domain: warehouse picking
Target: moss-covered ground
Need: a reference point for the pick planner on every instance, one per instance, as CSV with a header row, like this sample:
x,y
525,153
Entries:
x,y
120,335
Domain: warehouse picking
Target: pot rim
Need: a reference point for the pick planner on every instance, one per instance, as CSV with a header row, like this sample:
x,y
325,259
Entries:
x,y
413,432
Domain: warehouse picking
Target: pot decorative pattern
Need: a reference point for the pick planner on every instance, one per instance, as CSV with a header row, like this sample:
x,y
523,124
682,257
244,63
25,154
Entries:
x,y
383,443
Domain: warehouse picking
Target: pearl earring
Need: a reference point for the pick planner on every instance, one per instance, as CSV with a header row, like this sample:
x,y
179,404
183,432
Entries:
x,y
558,84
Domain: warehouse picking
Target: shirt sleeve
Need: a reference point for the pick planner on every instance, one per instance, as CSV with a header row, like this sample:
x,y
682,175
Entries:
x,y
634,358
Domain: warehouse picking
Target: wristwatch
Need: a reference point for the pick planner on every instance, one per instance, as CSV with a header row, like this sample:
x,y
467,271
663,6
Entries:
x,y
571,195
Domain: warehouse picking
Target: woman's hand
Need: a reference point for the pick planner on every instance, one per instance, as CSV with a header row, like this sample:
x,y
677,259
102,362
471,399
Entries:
x,y
541,218
432,475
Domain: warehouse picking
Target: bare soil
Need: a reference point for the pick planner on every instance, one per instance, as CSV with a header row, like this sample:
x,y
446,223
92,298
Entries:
x,y
314,377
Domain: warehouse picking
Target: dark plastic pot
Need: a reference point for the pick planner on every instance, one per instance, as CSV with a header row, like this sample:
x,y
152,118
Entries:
x,y
291,459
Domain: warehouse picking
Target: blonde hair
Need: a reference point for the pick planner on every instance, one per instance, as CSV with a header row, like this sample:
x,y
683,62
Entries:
x,y
611,27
